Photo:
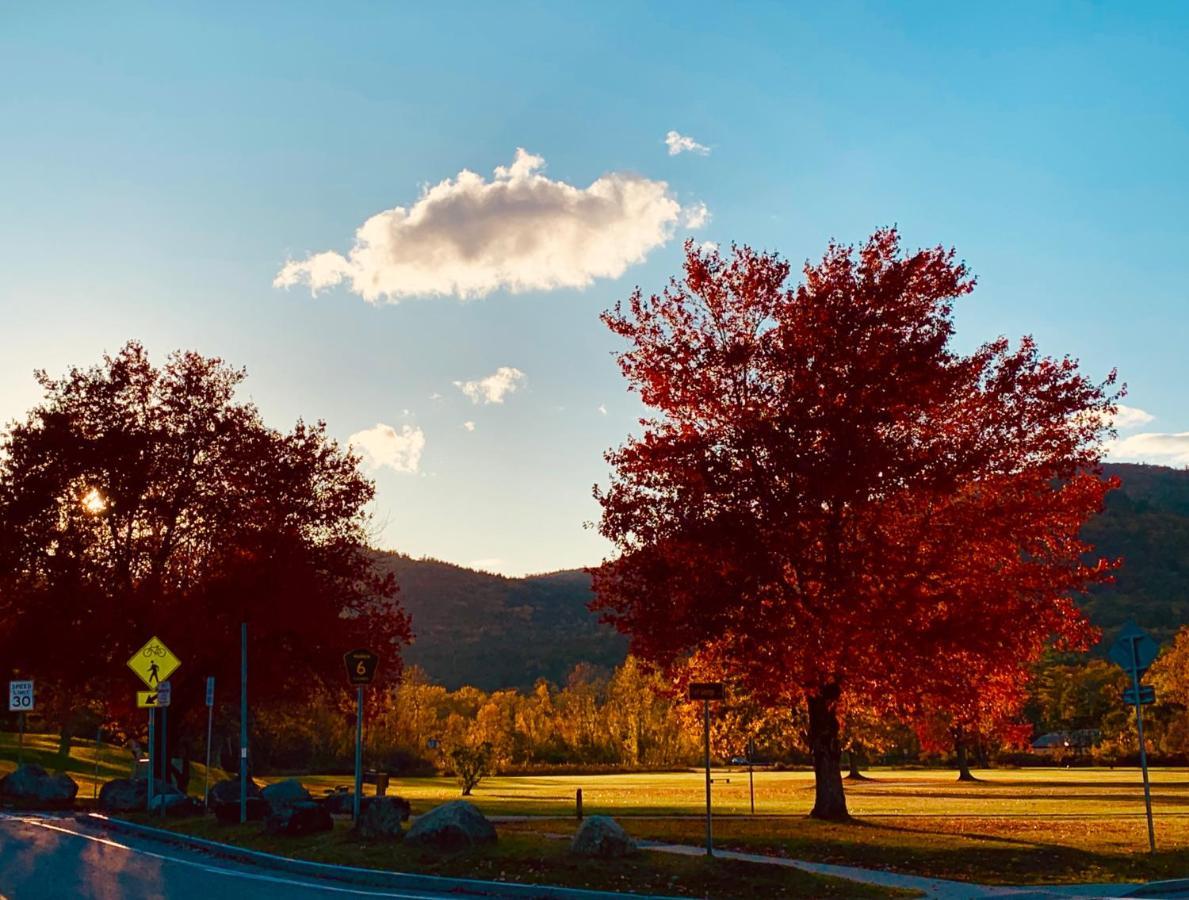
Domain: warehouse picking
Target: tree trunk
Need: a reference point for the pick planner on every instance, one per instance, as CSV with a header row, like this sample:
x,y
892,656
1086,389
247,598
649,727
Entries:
x,y
854,758
829,801
963,763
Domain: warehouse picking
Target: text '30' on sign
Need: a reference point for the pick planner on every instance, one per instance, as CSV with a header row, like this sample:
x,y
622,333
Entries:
x,y
361,666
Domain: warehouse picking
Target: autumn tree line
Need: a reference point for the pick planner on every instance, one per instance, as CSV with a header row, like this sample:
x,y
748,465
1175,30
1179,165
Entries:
x,y
828,506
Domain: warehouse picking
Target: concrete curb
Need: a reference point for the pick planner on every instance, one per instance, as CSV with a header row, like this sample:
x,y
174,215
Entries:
x,y
361,877
1176,888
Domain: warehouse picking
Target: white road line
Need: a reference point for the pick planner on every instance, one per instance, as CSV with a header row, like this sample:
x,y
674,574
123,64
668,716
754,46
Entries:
x,y
214,870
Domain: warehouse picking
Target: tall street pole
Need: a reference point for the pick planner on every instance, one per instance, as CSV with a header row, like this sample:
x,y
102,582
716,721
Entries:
x,y
709,836
152,756
1143,753
243,723
358,751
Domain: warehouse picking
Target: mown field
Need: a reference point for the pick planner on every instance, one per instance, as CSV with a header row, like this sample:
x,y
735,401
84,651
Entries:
x,y
1012,826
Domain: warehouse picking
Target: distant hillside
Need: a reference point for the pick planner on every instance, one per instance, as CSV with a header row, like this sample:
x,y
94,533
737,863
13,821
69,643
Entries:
x,y
1147,523
492,632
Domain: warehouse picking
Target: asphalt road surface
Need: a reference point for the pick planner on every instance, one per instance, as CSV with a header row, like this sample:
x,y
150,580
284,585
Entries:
x,y
46,858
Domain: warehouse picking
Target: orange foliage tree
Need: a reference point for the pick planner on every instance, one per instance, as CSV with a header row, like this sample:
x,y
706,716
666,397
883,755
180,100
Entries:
x,y
833,497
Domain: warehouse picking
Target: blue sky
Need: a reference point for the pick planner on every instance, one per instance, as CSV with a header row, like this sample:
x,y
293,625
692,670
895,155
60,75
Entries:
x,y
161,164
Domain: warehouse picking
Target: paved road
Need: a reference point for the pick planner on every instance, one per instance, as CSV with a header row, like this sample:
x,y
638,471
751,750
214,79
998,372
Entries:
x,y
44,858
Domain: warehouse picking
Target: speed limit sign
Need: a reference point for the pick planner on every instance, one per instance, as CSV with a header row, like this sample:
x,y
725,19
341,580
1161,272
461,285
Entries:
x,y
20,696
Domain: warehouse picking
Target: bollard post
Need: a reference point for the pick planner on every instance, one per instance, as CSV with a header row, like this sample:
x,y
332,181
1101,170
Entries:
x,y
578,803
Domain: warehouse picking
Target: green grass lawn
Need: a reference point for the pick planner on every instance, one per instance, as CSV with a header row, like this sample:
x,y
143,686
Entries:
x,y
1012,826
531,857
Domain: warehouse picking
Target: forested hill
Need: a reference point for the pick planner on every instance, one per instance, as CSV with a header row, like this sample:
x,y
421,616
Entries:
x,y
492,632
1146,522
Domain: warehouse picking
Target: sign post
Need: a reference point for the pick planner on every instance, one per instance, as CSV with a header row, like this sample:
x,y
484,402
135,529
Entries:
x,y
20,701
1134,651
707,691
152,773
361,670
210,712
243,723
751,777
153,664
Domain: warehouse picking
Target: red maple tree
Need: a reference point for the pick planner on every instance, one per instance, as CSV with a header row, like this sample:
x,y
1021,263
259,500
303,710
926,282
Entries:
x,y
833,497
138,500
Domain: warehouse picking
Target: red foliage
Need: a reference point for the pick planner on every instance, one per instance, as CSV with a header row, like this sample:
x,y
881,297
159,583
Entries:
x,y
200,518
832,496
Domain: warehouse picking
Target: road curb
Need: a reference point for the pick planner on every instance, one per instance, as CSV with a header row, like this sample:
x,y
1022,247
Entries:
x,y
351,874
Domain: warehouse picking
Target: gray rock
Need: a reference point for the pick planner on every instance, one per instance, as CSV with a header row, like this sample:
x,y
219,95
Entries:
x,y
176,805
297,818
381,820
602,837
451,826
131,794
285,792
342,803
32,787
227,791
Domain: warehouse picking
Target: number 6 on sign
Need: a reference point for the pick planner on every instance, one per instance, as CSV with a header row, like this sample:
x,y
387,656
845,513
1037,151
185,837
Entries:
x,y
361,666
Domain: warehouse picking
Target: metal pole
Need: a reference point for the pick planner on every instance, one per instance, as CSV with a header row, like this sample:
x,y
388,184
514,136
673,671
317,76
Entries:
x,y
709,835
206,788
98,750
243,723
164,754
358,752
751,781
20,739
152,769
1143,753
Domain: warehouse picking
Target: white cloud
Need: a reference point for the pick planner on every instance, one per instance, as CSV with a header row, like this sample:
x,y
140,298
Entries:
x,y
520,231
1131,417
695,216
603,408
469,426
383,445
683,143
1151,447
495,387
706,246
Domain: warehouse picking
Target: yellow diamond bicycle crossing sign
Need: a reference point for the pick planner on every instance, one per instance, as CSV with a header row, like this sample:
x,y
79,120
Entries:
x,y
154,663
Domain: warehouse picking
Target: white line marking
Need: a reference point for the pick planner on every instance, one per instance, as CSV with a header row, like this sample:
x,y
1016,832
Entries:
x,y
214,870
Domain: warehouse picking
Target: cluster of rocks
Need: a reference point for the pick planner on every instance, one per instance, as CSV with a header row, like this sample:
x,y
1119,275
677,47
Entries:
x,y
32,787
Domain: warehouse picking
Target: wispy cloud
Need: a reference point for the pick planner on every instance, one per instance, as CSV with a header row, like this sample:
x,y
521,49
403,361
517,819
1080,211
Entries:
x,y
695,216
469,426
1131,417
683,143
385,446
602,408
467,236
1168,449
495,387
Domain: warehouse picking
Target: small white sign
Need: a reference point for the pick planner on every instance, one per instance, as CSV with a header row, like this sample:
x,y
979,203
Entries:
x,y
20,696
164,693
210,690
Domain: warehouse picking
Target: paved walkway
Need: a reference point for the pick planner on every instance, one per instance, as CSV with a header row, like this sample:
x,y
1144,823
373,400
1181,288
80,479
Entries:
x,y
933,888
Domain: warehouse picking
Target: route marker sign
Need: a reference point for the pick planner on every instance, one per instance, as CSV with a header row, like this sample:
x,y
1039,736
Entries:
x,y
154,663
20,696
1146,696
361,666
706,690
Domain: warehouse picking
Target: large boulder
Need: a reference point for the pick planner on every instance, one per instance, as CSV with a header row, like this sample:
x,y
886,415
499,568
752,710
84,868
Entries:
x,y
32,787
451,826
342,803
381,819
602,837
122,795
285,792
227,811
177,805
227,791
297,818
